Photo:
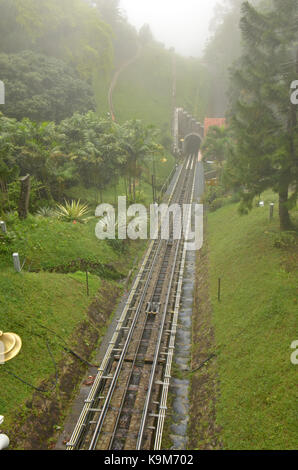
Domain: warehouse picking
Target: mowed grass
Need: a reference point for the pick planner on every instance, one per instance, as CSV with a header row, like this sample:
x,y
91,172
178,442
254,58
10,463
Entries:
x,y
144,89
28,303
45,243
255,324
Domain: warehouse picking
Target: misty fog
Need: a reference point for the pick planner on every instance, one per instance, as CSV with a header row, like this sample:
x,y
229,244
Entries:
x,y
183,25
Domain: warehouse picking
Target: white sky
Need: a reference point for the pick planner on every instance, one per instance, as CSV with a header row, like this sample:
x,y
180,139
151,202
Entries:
x,y
183,24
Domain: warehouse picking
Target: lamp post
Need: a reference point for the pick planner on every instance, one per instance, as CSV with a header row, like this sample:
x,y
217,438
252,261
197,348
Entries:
x,y
153,179
10,346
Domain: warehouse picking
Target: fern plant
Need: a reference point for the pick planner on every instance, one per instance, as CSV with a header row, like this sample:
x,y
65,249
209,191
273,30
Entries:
x,y
46,211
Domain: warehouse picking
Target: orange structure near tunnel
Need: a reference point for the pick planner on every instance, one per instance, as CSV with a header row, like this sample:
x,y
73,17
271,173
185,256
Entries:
x,y
220,122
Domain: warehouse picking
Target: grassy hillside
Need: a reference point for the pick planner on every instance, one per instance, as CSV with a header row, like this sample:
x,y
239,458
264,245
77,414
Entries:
x,y
28,300
46,243
144,89
192,86
43,304
255,324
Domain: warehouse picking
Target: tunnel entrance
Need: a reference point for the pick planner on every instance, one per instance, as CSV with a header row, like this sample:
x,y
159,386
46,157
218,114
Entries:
x,y
192,144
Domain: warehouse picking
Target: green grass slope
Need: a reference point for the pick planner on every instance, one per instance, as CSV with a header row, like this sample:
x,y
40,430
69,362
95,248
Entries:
x,y
144,89
46,243
27,301
255,324
33,302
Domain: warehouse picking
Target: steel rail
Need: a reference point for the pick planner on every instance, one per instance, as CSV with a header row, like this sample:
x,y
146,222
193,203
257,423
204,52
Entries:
x,y
92,394
171,347
134,360
71,445
139,341
113,384
156,354
122,356
159,342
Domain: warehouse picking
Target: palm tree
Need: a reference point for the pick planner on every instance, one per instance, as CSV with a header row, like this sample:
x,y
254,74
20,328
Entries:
x,y
138,144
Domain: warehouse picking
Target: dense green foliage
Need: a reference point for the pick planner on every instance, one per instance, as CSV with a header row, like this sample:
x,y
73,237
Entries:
x,y
42,88
66,29
82,149
216,145
51,54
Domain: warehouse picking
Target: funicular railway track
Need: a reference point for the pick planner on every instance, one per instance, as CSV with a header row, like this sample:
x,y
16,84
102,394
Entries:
x,y
126,405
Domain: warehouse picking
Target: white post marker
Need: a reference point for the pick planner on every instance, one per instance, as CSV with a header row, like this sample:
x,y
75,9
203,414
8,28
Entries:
x,y
271,210
2,92
16,262
3,226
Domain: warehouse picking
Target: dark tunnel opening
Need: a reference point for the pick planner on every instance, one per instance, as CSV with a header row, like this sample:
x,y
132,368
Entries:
x,y
192,144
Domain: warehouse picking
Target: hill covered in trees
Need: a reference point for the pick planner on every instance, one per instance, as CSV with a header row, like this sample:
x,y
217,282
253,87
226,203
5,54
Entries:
x,y
57,60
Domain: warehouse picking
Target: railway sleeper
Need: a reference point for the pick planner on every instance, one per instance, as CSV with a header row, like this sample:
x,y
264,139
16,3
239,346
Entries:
x,y
153,308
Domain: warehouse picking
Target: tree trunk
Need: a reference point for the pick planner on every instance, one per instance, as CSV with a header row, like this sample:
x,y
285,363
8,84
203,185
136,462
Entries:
x,y
125,185
284,216
24,197
115,193
134,189
129,187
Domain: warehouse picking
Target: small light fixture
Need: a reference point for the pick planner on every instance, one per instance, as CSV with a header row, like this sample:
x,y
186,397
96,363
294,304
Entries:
x,y
10,346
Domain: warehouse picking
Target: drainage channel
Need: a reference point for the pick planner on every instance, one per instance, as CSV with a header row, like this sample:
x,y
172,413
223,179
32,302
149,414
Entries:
x,y
180,385
180,382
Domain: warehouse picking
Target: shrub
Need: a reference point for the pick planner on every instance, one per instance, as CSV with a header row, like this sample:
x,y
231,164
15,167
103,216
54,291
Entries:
x,y
212,193
236,197
217,204
117,245
46,211
6,239
286,240
72,211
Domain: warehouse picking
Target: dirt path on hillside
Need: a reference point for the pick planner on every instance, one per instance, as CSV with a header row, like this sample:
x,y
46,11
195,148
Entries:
x,y
116,77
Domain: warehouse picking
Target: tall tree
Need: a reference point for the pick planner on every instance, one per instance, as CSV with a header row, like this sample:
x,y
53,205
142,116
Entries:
x,y
263,117
92,144
139,143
